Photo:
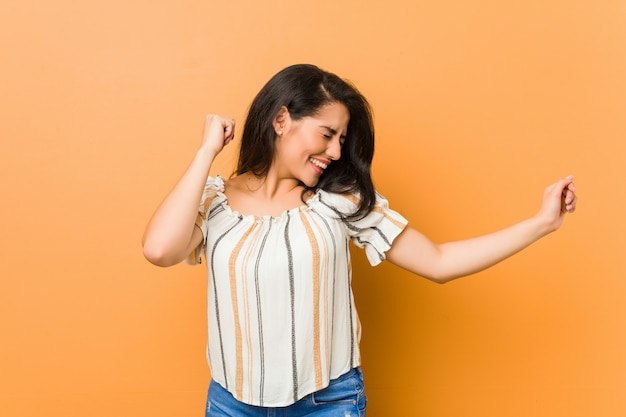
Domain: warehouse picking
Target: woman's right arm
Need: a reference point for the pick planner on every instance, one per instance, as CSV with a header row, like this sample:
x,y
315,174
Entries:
x,y
171,234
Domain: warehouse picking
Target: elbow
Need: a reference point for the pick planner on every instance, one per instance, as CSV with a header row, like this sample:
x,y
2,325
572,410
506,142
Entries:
x,y
438,280
158,255
442,278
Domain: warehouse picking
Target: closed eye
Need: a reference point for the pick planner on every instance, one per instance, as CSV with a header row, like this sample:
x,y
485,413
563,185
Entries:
x,y
332,132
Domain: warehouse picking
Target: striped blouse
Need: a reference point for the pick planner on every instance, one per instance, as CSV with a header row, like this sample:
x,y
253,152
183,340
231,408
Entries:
x,y
281,316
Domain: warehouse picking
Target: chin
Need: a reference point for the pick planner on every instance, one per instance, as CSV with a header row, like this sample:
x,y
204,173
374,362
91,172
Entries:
x,y
310,182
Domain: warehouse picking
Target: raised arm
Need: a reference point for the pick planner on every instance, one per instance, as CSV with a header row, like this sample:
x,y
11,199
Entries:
x,y
171,233
444,262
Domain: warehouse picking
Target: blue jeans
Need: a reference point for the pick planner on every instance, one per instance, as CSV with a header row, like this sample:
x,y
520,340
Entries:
x,y
344,397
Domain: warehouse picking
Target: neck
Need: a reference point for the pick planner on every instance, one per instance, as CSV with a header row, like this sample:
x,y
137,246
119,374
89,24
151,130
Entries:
x,y
271,185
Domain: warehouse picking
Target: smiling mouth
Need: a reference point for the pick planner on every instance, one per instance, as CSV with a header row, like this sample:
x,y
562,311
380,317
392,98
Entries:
x,y
318,163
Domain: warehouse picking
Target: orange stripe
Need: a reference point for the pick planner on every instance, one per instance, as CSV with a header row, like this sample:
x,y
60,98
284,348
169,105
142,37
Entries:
x,y
396,223
207,203
246,304
327,273
193,257
352,198
317,359
232,264
326,299
357,323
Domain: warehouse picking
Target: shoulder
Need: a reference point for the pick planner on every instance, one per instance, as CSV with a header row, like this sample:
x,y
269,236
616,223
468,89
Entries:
x,y
345,204
339,204
214,187
214,183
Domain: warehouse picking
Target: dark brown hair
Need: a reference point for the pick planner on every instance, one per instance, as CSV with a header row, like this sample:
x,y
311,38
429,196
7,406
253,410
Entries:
x,y
304,89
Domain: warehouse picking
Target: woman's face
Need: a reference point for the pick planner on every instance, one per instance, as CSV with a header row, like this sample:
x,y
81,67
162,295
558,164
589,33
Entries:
x,y
307,146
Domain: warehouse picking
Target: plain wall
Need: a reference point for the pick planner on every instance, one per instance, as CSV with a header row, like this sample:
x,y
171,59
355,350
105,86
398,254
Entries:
x,y
479,105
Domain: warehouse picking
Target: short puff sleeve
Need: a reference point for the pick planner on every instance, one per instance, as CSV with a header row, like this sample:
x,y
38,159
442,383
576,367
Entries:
x,y
213,193
374,232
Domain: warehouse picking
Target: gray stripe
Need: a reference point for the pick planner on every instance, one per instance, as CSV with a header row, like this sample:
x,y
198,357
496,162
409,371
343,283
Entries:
x,y
260,318
382,235
341,216
294,364
354,228
217,308
215,211
366,242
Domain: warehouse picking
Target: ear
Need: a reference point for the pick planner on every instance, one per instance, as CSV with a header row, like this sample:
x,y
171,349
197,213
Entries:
x,y
280,120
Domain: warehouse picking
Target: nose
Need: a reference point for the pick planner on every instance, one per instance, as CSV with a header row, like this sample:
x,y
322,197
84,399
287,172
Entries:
x,y
334,149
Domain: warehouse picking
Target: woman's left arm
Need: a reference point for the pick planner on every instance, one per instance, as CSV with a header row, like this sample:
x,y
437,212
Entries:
x,y
444,262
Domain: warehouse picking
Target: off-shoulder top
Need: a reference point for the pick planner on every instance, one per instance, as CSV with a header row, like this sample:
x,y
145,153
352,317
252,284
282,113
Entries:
x,y
281,315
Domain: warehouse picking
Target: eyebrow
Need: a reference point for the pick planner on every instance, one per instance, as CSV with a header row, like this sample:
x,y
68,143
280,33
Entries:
x,y
333,131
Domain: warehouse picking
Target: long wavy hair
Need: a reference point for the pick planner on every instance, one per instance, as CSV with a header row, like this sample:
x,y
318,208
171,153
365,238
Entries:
x,y
304,89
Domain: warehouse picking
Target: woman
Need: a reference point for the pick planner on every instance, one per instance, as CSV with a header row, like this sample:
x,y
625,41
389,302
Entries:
x,y
283,329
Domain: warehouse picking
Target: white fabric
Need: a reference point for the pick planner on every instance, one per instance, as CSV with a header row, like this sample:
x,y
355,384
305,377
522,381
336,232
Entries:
x,y
281,314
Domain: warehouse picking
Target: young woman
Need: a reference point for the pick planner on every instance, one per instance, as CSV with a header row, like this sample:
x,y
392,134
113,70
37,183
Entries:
x,y
283,329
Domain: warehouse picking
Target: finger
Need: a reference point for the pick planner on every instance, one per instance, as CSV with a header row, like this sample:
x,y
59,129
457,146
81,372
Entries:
x,y
568,202
569,196
561,185
228,129
571,207
567,181
230,135
229,125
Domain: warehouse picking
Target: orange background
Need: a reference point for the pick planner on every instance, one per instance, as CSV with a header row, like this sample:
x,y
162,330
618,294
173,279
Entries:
x,y
479,105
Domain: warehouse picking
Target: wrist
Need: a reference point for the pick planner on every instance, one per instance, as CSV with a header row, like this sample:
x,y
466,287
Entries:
x,y
541,225
205,153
